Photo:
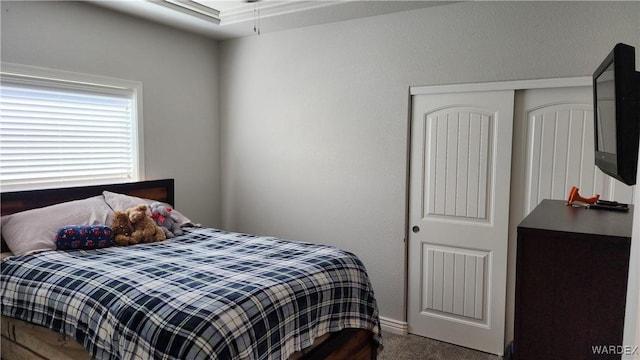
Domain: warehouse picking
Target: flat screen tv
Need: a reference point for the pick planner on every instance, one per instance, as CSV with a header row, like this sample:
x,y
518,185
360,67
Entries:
x,y
616,100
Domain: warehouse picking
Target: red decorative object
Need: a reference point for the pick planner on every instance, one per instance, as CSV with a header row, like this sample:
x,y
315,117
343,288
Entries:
x,y
574,196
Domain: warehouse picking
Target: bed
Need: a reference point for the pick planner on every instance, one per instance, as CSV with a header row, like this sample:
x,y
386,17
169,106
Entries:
x,y
208,294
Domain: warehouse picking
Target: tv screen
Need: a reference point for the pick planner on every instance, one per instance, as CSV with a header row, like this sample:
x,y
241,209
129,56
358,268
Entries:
x,y
605,106
616,86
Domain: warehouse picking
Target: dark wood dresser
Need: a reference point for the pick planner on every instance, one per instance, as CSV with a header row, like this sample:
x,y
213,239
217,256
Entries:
x,y
571,281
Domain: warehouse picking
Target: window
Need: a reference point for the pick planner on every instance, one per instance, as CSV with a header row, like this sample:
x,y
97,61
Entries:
x,y
62,129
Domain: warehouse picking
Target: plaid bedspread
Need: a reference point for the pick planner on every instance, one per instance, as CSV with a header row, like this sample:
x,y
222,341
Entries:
x,y
209,294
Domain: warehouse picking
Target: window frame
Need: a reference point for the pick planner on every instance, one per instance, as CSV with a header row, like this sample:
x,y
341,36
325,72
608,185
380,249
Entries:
x,y
31,75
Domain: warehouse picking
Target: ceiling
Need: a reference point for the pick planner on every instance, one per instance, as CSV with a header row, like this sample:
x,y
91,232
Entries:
x,y
225,19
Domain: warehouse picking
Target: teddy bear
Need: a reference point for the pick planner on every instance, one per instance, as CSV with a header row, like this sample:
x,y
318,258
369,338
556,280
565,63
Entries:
x,y
122,229
161,214
144,228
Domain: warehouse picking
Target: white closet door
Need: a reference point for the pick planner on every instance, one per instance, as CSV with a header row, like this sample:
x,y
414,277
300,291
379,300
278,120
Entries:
x,y
459,213
556,128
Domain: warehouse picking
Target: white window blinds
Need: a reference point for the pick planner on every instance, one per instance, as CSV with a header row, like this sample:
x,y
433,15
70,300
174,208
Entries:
x,y
55,133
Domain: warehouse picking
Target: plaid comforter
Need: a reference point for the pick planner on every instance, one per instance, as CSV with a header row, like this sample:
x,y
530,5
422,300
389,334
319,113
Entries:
x,y
208,294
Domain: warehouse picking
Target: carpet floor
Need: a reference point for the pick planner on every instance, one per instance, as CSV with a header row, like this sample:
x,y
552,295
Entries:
x,y
413,347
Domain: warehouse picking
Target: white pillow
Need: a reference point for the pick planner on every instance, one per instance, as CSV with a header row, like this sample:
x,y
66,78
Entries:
x,y
34,230
121,202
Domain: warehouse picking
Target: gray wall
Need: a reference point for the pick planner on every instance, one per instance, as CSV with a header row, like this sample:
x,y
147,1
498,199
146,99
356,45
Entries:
x,y
180,84
315,119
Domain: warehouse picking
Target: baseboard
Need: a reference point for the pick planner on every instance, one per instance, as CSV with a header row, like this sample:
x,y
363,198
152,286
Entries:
x,y
394,326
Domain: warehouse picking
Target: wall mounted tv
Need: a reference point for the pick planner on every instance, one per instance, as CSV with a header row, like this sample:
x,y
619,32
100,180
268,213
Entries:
x,y
616,100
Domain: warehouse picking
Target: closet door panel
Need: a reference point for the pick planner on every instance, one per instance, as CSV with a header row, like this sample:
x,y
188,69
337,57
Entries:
x,y
559,150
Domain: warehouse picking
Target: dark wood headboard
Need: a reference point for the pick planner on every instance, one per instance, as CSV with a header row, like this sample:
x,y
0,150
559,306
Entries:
x,y
13,202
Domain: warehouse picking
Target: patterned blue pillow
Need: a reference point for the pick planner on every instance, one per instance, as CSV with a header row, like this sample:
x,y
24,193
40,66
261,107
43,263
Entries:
x,y
84,237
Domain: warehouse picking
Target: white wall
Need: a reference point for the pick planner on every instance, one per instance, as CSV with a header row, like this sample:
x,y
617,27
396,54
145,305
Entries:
x,y
315,119
179,75
632,311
